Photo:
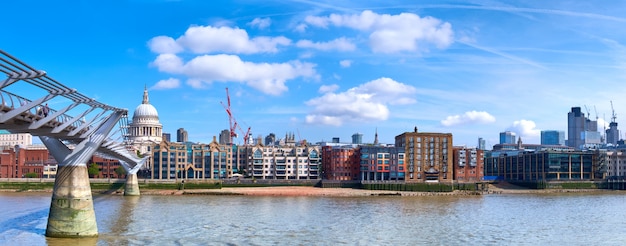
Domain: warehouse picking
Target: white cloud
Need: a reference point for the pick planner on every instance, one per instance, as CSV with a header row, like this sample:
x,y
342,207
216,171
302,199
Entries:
x,y
392,33
367,102
328,88
170,83
209,39
469,117
270,78
260,23
340,44
164,45
345,63
525,129
301,28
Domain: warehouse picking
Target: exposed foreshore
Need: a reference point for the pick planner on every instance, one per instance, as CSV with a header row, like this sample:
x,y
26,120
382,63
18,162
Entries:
x,y
503,188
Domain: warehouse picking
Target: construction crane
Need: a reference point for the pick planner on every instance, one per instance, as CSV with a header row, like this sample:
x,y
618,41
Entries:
x,y
234,126
613,116
587,109
232,123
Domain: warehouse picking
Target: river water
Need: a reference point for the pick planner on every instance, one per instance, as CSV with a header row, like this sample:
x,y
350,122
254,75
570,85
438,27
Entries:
x,y
495,219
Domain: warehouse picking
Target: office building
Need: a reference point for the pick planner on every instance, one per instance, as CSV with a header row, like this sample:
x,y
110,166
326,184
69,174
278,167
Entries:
x,y
270,139
174,160
428,156
581,131
544,165
167,137
9,140
552,137
612,134
181,135
507,137
357,138
482,144
225,138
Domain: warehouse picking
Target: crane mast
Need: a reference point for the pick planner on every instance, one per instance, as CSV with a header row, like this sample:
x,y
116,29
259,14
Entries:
x,y
233,125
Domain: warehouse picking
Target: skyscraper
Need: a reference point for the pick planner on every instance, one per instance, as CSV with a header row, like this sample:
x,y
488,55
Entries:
x,y
225,137
357,138
552,137
482,144
581,131
507,137
181,135
270,139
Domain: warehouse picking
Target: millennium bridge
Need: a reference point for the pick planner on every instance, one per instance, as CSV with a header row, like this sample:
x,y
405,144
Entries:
x,y
73,127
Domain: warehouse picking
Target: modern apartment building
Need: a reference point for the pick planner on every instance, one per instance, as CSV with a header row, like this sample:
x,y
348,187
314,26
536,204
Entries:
x,y
379,163
19,161
428,156
468,164
340,162
284,161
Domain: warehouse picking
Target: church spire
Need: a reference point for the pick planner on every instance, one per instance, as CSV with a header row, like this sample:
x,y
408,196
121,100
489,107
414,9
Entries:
x,y
376,137
145,95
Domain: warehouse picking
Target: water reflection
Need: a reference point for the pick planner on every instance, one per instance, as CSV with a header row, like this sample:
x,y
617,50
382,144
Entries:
x,y
240,220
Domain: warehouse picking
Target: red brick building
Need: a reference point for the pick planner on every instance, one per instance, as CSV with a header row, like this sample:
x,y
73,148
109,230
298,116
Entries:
x,y
19,161
468,164
340,163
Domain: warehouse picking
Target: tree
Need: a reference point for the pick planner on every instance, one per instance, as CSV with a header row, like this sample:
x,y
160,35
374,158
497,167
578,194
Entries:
x,y
93,170
120,171
31,175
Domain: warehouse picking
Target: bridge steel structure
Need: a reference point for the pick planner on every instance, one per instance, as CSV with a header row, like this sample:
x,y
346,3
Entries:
x,y
81,128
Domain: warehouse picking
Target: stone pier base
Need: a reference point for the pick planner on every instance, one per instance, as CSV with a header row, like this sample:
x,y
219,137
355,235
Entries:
x,y
132,185
71,209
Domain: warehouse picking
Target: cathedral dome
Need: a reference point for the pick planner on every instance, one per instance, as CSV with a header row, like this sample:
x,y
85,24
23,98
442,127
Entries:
x,y
145,111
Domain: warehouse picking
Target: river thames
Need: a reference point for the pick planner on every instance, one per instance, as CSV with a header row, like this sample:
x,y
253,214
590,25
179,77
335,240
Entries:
x,y
495,219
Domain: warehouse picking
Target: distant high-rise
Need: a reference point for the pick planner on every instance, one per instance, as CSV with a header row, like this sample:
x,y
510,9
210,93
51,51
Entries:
x,y
612,134
552,137
581,131
357,138
481,144
225,137
181,135
167,137
507,137
335,140
270,139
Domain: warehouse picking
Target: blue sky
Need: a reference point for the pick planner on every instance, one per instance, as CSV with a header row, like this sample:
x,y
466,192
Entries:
x,y
324,69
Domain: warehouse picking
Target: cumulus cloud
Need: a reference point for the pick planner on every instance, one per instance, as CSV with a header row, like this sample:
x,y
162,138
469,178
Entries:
x,y
340,44
269,78
469,117
260,23
345,63
170,83
328,88
392,33
164,45
209,39
367,102
525,128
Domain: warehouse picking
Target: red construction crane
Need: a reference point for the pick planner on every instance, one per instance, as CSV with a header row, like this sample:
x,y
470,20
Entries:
x,y
232,123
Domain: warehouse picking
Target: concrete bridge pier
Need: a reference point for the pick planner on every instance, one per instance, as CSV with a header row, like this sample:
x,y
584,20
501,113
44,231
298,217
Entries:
x,y
132,185
71,210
